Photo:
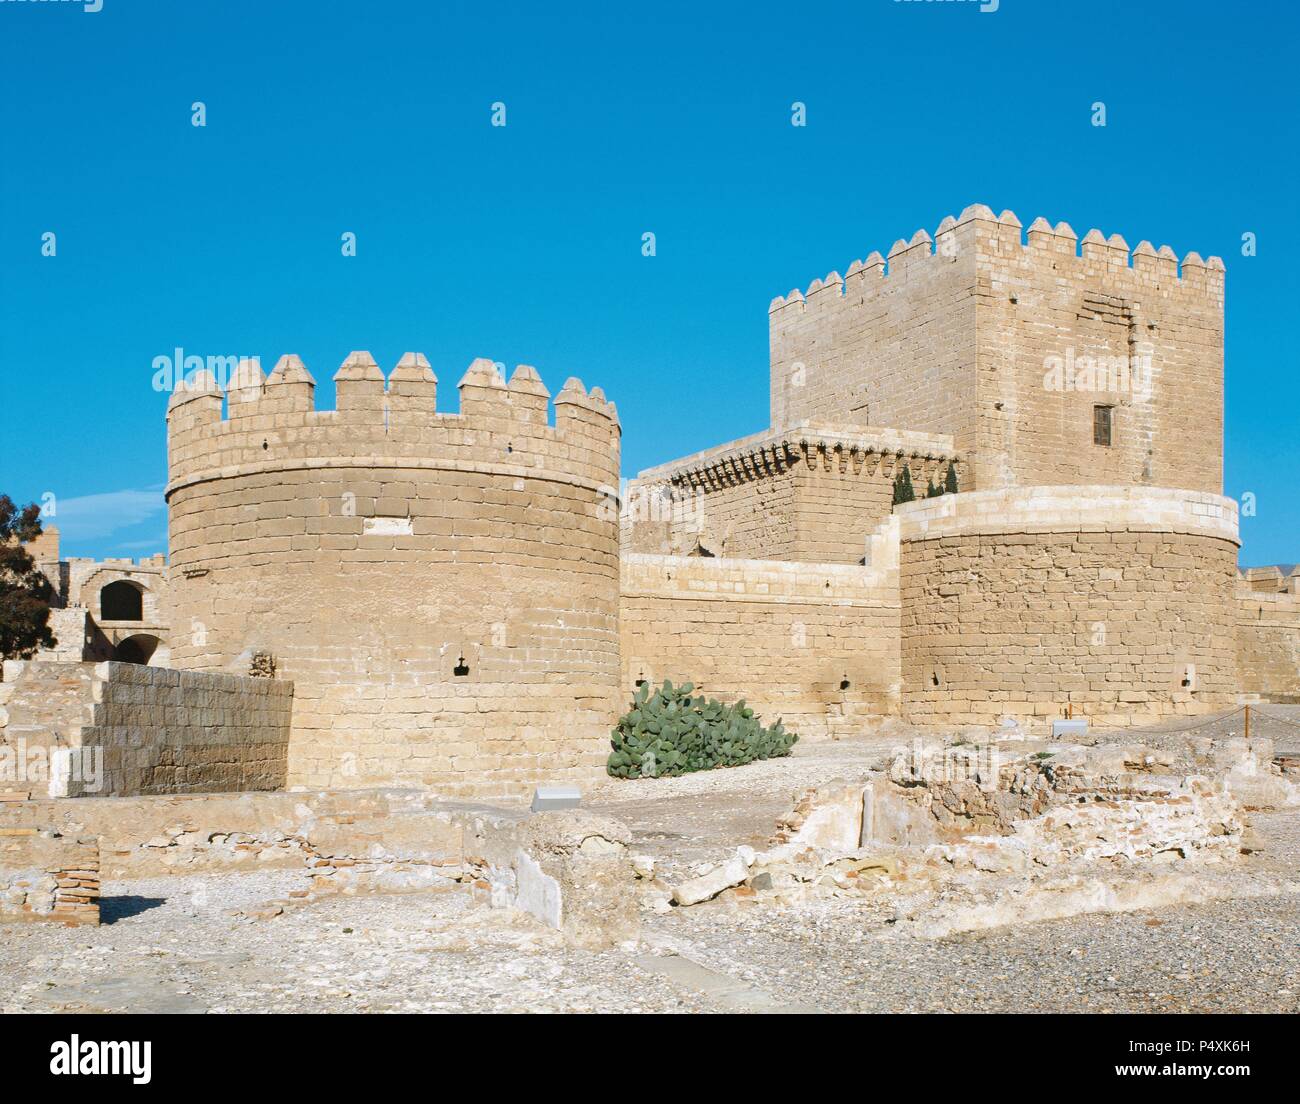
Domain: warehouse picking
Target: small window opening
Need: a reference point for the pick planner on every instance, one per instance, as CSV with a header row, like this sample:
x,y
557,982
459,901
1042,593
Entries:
x,y
1101,425
844,684
461,669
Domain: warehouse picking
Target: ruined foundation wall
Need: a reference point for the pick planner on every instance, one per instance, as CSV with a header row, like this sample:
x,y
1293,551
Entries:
x,y
442,589
1268,643
159,731
148,836
569,869
1117,600
47,876
783,636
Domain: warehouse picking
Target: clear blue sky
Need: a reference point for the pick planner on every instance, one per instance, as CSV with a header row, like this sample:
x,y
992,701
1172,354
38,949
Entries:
x,y
523,243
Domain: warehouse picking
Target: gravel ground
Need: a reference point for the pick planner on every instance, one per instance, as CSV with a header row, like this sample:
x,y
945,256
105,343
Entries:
x,y
1279,723
740,805
1230,956
841,955
171,945
704,817
171,948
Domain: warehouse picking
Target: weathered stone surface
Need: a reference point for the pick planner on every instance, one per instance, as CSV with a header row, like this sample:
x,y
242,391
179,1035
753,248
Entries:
x,y
125,729
47,876
731,873
421,578
571,870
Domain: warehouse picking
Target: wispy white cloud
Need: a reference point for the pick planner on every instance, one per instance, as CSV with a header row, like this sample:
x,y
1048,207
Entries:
x,y
89,517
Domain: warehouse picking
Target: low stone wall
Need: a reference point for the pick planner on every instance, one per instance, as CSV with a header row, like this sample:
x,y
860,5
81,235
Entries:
x,y
1115,601
44,700
1268,644
814,644
569,869
73,633
48,876
201,833
98,729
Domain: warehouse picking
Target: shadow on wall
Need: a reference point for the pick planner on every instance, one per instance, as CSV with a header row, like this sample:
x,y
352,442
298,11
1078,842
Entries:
x,y
136,649
121,601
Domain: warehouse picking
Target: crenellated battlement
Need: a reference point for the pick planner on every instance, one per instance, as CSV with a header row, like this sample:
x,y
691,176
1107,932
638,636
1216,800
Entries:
x,y
424,579
265,423
957,334
978,231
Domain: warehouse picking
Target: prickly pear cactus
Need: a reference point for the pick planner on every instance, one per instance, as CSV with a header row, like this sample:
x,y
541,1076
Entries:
x,y
669,731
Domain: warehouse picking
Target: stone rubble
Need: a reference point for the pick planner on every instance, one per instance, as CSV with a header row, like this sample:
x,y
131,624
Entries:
x,y
1071,829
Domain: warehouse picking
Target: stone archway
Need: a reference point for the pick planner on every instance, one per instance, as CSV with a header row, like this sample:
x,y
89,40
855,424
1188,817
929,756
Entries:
x,y
121,601
136,649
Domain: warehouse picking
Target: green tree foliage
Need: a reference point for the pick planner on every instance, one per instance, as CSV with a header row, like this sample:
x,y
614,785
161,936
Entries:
x,y
25,593
950,480
903,487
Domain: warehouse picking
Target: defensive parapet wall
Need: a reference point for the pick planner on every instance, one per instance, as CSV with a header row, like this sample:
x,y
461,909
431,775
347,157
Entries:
x,y
814,644
441,588
901,346
272,424
811,493
1268,643
1115,602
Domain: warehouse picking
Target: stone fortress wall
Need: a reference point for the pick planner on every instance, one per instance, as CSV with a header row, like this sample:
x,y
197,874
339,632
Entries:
x,y
83,587
1115,601
990,348
811,494
814,644
113,729
446,596
442,589
955,337
1268,632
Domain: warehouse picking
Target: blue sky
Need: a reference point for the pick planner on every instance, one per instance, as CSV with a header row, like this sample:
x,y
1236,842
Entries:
x,y
523,243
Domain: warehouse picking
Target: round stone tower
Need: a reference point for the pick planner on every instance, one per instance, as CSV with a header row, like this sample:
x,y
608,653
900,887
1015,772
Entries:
x,y
442,589
1114,602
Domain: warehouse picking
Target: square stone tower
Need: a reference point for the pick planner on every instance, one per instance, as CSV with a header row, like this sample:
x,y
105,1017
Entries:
x,y
1047,364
